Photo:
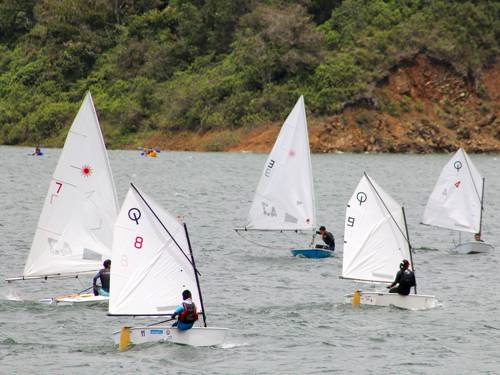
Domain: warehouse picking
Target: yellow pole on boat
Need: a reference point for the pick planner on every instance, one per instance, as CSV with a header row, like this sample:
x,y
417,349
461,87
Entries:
x,y
124,339
356,298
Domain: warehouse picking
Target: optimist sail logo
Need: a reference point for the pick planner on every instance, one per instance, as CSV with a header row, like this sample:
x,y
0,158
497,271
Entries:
x,y
87,170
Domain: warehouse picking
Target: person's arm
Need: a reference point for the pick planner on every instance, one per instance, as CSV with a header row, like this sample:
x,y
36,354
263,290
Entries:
x,y
177,311
94,283
396,281
97,275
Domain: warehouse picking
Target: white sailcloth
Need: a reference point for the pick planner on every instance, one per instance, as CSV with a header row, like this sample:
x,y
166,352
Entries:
x,y
74,232
455,202
149,271
374,242
284,199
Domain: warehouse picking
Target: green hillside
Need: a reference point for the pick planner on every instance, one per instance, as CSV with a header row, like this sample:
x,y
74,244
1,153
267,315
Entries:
x,y
197,65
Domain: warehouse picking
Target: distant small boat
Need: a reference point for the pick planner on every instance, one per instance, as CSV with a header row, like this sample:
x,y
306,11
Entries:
x,y
153,153
375,242
153,265
284,200
457,201
74,231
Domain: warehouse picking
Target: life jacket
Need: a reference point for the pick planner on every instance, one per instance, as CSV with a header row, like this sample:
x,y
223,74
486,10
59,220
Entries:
x,y
190,314
407,278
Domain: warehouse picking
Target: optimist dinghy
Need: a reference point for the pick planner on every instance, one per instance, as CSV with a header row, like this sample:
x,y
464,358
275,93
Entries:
x,y
153,265
284,200
75,228
375,241
456,202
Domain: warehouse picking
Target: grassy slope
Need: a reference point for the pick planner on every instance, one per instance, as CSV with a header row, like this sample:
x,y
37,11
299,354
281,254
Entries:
x,y
222,74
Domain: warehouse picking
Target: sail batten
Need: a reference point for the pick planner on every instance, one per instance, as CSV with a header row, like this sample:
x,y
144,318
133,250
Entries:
x,y
374,240
80,207
455,202
284,198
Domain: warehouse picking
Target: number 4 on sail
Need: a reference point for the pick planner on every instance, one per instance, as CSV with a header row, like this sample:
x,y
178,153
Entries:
x,y
456,202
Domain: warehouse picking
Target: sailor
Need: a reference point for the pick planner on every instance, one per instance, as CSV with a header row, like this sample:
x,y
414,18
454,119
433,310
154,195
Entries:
x,y
327,238
477,237
405,279
186,311
104,275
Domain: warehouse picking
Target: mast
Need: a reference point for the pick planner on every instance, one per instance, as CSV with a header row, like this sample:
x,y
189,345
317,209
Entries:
x,y
196,276
409,245
481,212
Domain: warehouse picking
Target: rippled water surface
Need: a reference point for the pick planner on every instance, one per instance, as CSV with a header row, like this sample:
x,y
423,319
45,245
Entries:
x,y
285,314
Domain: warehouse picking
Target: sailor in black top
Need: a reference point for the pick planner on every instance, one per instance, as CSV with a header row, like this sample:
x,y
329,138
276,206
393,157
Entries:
x,y
405,280
327,238
104,275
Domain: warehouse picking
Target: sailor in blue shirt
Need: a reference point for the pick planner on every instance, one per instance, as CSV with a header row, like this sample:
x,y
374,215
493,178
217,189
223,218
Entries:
x,y
186,311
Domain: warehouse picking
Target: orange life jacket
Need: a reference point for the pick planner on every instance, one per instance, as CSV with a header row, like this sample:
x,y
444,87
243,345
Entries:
x,y
190,314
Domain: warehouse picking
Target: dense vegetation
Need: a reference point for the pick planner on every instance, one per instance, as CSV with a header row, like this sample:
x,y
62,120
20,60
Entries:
x,y
203,64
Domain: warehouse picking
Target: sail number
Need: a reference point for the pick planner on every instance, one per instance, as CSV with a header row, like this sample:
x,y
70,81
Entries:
x,y
56,194
124,261
269,211
350,221
269,166
138,242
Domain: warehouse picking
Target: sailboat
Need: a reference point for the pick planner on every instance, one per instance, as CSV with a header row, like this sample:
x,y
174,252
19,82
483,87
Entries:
x,y
375,242
153,265
457,200
74,232
284,200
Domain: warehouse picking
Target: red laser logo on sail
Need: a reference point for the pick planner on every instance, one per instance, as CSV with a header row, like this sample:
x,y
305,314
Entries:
x,y
86,171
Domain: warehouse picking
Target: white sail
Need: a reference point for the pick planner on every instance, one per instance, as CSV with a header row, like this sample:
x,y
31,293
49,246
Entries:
x,y
374,236
74,232
150,270
284,199
455,202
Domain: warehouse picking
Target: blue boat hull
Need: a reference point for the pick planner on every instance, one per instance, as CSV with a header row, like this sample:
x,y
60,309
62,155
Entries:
x,y
312,253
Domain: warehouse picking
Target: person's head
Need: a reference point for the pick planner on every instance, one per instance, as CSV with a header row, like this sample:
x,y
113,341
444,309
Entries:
x,y
186,294
322,230
404,264
107,263
477,236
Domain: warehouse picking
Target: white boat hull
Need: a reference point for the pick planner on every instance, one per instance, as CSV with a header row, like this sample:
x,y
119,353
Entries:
x,y
70,299
409,302
473,247
196,336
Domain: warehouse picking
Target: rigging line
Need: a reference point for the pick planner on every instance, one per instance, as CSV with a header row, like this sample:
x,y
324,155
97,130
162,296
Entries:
x,y
261,245
164,227
392,217
471,177
163,321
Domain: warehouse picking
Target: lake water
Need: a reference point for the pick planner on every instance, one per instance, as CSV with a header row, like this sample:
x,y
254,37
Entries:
x,y
286,315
